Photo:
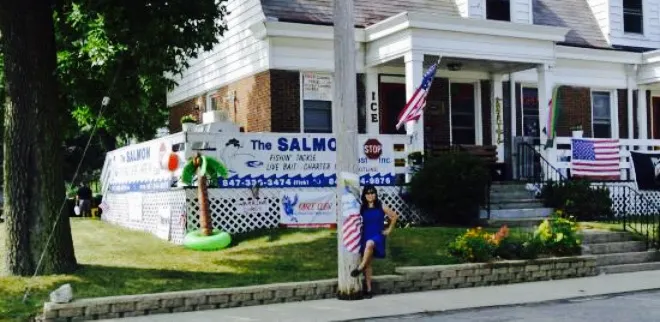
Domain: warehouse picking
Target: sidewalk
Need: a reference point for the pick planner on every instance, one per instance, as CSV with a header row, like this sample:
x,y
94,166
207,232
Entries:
x,y
433,301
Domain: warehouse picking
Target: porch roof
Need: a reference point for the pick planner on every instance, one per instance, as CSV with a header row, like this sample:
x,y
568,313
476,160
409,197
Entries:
x,y
472,39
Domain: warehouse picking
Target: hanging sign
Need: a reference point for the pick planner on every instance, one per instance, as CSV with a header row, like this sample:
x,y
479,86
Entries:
x,y
308,209
317,86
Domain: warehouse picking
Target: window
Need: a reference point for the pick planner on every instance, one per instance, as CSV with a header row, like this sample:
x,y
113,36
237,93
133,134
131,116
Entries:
x,y
462,113
498,10
530,110
317,116
633,19
213,103
602,118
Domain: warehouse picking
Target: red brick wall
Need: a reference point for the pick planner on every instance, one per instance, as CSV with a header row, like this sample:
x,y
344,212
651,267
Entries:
x,y
285,101
575,106
194,106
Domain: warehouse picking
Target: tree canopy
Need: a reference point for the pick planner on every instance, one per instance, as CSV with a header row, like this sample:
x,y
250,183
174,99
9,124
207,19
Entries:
x,y
137,46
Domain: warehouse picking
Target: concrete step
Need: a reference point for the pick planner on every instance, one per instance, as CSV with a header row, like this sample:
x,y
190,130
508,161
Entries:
x,y
529,205
615,247
516,213
529,223
626,268
626,258
508,188
601,237
497,195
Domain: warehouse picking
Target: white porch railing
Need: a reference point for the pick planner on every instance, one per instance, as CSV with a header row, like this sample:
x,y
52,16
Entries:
x,y
560,155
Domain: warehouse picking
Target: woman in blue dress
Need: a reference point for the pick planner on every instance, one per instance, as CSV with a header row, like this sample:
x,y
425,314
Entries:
x,y
374,232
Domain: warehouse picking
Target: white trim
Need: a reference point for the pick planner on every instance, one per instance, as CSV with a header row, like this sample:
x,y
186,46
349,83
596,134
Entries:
x,y
609,56
266,29
614,132
428,21
302,103
391,79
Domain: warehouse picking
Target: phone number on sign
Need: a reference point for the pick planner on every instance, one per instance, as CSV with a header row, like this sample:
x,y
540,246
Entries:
x,y
246,183
376,181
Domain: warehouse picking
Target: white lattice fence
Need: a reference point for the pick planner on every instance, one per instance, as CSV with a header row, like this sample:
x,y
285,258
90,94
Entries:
x,y
626,199
140,211
226,216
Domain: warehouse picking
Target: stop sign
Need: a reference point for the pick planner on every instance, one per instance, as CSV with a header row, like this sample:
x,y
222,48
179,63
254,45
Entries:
x,y
373,149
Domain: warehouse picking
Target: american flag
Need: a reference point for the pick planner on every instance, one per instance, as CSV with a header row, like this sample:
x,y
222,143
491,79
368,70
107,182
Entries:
x,y
413,109
595,158
352,232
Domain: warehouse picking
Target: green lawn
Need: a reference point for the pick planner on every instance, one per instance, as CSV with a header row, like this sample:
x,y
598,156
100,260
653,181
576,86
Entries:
x,y
117,261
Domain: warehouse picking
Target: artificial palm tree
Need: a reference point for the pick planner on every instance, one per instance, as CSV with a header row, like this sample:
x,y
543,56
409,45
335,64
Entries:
x,y
206,168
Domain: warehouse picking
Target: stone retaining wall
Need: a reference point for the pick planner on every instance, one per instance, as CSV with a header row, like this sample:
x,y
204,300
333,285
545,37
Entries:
x,y
411,279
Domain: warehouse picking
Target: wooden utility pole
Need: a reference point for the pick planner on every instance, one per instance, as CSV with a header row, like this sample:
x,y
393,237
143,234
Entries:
x,y
344,124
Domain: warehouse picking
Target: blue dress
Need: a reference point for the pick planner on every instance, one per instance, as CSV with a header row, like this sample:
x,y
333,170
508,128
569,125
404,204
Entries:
x,y
373,224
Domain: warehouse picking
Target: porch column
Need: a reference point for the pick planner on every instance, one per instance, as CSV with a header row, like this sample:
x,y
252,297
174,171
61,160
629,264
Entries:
x,y
497,115
373,109
641,112
545,86
414,74
631,85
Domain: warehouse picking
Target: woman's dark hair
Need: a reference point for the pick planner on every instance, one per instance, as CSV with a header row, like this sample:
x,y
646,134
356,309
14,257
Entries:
x,y
363,199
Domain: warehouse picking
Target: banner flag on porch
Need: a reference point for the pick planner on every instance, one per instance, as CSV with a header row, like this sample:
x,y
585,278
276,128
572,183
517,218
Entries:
x,y
413,109
553,117
595,158
647,169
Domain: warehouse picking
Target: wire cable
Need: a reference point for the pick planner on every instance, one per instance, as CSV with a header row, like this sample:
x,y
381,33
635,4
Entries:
x,y
104,103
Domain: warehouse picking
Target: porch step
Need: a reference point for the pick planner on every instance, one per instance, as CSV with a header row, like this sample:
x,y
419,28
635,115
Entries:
x,y
601,237
515,205
499,195
507,188
614,247
627,268
627,258
529,223
520,213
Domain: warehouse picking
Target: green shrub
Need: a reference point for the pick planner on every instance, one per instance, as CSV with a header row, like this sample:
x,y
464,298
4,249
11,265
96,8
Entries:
x,y
476,246
579,198
450,189
519,247
559,235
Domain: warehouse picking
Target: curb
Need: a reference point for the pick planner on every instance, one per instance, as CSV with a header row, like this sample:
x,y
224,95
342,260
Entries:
x,y
567,300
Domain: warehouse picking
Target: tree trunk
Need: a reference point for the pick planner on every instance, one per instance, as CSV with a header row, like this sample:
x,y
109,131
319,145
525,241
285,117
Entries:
x,y
204,214
34,189
345,128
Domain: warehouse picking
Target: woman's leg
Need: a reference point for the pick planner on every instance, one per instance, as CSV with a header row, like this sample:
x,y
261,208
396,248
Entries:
x,y
368,273
366,258
368,255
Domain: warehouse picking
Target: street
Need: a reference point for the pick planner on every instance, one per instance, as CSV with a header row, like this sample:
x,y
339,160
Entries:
x,y
639,307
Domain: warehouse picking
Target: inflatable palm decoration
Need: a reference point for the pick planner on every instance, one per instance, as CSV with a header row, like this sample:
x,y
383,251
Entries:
x,y
206,168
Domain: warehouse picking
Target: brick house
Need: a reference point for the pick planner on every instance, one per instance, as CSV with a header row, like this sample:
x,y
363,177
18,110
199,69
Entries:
x,y
500,61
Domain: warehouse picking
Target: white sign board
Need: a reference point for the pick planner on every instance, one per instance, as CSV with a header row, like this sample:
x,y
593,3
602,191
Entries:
x,y
298,160
317,86
142,167
308,209
252,206
164,222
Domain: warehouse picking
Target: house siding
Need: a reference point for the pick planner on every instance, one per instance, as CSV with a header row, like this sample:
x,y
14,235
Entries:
x,y
521,11
651,37
237,55
285,101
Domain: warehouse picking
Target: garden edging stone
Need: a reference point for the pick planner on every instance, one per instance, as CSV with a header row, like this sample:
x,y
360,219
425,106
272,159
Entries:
x,y
410,279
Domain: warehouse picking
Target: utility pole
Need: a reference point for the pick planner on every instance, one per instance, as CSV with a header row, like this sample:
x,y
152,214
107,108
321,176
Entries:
x,y
344,125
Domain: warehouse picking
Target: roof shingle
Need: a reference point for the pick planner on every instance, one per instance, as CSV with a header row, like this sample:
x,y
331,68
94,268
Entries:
x,y
573,14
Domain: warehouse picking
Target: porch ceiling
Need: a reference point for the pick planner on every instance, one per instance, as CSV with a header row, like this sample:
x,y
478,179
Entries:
x,y
469,65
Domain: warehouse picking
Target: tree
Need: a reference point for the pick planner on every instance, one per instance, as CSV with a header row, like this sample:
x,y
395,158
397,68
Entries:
x,y
128,50
34,188
207,169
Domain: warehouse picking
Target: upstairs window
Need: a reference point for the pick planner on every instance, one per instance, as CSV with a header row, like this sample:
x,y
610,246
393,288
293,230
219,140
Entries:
x,y
498,10
633,19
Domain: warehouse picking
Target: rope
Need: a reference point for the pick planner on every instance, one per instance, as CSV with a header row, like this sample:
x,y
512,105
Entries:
x,y
104,104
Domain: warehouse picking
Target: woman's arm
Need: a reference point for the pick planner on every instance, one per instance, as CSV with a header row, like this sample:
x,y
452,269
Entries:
x,y
393,217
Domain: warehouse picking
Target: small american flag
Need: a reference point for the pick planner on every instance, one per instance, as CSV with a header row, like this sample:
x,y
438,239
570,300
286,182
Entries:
x,y
413,109
352,232
595,158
